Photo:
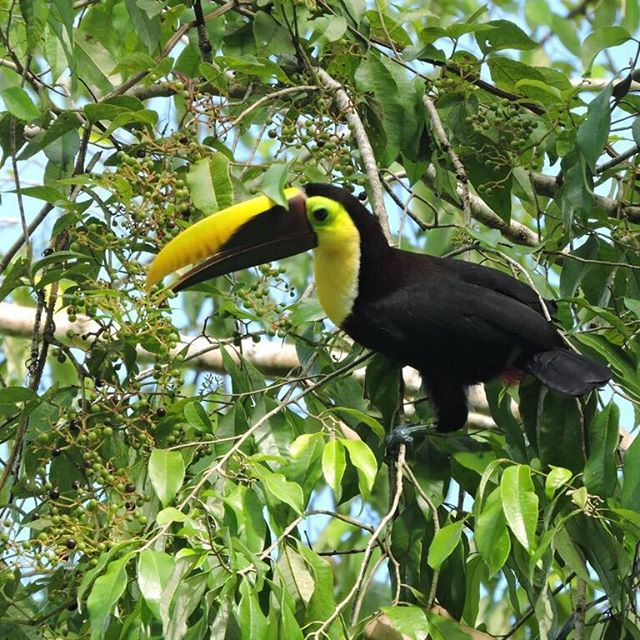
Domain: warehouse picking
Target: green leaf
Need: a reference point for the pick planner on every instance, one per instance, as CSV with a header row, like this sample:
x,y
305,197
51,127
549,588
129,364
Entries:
x,y
594,131
327,28
633,305
19,104
371,422
373,75
302,442
333,464
491,535
280,488
520,504
35,14
273,182
556,478
271,38
364,461
166,472
14,395
600,39
252,622
263,68
384,26
630,496
295,575
209,183
503,34
186,598
538,13
444,542
106,591
154,570
601,467
146,21
169,515
65,122
570,553
134,63
196,416
410,621
112,108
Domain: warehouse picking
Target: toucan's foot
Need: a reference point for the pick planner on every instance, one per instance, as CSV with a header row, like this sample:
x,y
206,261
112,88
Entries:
x,y
404,434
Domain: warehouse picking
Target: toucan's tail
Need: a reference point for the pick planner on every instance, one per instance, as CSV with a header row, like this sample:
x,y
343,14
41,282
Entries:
x,y
567,372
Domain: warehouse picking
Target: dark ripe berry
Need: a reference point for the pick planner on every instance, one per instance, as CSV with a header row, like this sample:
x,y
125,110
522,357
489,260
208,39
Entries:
x,y
61,358
161,412
74,426
54,494
47,252
129,488
75,484
70,543
130,506
362,196
55,452
73,606
87,464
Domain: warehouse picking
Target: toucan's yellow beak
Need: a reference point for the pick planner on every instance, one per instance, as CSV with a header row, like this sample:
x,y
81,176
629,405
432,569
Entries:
x,y
242,236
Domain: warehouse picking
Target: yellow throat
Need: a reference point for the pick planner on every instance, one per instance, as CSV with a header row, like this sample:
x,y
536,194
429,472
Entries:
x,y
337,265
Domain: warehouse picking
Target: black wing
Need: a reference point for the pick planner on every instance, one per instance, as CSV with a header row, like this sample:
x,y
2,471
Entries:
x,y
499,281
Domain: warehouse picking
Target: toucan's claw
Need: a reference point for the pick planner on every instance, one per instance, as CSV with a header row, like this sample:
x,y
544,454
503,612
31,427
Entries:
x,y
404,434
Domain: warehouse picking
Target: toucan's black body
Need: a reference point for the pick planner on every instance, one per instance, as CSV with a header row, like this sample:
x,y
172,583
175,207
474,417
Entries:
x,y
457,322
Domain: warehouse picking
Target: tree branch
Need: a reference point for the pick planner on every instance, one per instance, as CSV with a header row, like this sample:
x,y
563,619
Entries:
x,y
514,231
346,105
271,358
461,174
548,186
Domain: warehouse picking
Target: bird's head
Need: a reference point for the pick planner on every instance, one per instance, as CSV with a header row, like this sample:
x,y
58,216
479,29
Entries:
x,y
258,231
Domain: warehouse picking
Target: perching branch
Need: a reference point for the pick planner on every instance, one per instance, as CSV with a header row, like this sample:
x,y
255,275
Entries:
x,y
345,104
271,358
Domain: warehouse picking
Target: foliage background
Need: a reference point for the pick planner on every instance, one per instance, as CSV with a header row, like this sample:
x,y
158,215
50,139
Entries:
x,y
212,468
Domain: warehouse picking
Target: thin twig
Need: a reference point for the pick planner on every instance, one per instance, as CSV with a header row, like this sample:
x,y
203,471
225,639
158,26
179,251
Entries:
x,y
400,466
347,107
461,174
436,527
581,609
271,96
203,36
625,155
16,177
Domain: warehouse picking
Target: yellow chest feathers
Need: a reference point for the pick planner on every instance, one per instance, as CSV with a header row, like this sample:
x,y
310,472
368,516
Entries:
x,y
337,264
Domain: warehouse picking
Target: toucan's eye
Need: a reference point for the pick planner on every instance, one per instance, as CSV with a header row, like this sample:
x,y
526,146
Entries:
x,y
320,215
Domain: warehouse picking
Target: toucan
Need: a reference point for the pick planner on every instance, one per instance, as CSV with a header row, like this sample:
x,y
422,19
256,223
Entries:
x,y
458,323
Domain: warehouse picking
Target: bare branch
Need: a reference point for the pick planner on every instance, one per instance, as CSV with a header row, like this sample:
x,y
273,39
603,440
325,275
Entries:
x,y
345,104
548,186
625,155
480,211
271,358
461,174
